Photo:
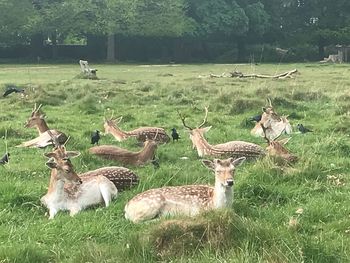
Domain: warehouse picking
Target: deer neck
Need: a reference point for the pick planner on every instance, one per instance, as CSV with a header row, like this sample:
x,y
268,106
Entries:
x,y
42,126
201,144
222,196
119,134
147,152
56,186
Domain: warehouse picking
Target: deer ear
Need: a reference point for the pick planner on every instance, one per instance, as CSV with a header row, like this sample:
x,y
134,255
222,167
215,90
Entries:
x,y
42,116
263,109
284,141
209,164
206,129
119,119
238,161
49,155
51,163
72,154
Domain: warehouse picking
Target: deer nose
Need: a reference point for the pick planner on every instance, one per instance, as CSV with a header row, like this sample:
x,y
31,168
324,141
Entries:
x,y
229,182
80,181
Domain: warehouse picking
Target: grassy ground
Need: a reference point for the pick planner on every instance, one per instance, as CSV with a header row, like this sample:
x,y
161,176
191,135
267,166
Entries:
x,y
265,224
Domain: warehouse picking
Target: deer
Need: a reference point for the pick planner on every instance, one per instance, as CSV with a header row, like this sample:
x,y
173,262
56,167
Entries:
x,y
37,119
126,157
141,134
273,123
121,177
68,191
276,148
232,148
186,200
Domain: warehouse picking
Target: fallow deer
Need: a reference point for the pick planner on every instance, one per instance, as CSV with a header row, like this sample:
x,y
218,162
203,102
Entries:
x,y
141,134
273,123
187,199
121,177
78,193
124,156
232,148
277,149
37,120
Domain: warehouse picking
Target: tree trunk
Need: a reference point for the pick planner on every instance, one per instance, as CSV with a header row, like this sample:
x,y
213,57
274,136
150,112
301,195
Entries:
x,y
321,49
54,45
241,50
111,56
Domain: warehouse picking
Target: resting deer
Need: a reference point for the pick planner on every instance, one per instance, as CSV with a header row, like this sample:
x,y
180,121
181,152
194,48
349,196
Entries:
x,y
187,199
79,193
37,120
124,156
277,149
272,122
141,134
232,148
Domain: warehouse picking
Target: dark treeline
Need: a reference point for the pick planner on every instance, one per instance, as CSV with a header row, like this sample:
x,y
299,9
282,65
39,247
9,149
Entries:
x,y
173,30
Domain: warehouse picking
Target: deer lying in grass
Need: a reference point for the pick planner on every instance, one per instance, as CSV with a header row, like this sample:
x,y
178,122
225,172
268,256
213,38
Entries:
x,y
277,149
272,122
37,120
124,156
79,193
232,148
141,134
187,199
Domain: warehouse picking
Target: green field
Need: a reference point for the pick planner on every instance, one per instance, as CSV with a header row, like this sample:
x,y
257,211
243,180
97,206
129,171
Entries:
x,y
263,224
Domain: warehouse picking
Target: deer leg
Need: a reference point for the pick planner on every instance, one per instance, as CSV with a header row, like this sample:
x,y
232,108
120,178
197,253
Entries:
x,y
145,209
73,211
52,213
107,192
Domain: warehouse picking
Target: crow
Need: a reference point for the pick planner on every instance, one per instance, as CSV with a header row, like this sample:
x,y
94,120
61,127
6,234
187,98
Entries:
x,y
174,134
255,118
12,88
303,129
155,163
5,158
95,137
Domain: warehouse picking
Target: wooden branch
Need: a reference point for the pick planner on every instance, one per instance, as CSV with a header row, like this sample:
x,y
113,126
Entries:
x,y
237,74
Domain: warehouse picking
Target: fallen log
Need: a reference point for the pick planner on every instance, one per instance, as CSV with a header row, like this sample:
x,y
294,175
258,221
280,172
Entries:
x,y
237,74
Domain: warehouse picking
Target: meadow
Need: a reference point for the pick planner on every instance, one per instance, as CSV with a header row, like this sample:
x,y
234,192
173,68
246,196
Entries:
x,y
280,213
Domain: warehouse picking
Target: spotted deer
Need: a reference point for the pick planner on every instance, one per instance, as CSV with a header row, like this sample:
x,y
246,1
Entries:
x,y
276,148
141,134
273,123
37,119
68,191
187,199
126,157
232,148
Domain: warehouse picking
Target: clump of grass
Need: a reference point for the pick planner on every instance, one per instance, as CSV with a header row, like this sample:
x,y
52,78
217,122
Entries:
x,y
89,104
308,96
240,106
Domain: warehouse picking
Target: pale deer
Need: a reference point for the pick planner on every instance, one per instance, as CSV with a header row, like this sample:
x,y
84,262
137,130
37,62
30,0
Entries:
x,y
121,177
78,193
273,123
146,154
141,134
276,148
187,199
232,148
37,120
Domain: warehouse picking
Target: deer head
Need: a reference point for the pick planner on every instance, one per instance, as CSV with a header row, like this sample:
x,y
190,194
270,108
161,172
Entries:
x,y
65,170
111,123
224,170
36,117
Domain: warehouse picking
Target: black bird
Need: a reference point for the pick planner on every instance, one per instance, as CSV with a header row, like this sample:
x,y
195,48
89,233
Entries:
x,y
95,137
155,163
303,129
12,88
174,134
5,158
255,118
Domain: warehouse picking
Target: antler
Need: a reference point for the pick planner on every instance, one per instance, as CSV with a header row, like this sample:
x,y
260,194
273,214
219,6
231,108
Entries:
x,y
205,117
269,102
183,120
55,141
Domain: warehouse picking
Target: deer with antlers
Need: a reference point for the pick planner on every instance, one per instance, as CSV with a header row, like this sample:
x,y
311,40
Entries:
x,y
141,134
273,123
276,148
232,148
126,157
37,119
187,199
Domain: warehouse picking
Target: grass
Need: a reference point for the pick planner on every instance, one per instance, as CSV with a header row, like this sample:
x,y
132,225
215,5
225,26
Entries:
x,y
262,226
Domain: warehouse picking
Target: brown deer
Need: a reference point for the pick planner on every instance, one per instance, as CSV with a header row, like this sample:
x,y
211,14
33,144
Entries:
x,y
141,134
273,123
187,199
37,120
276,148
124,156
78,193
232,148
